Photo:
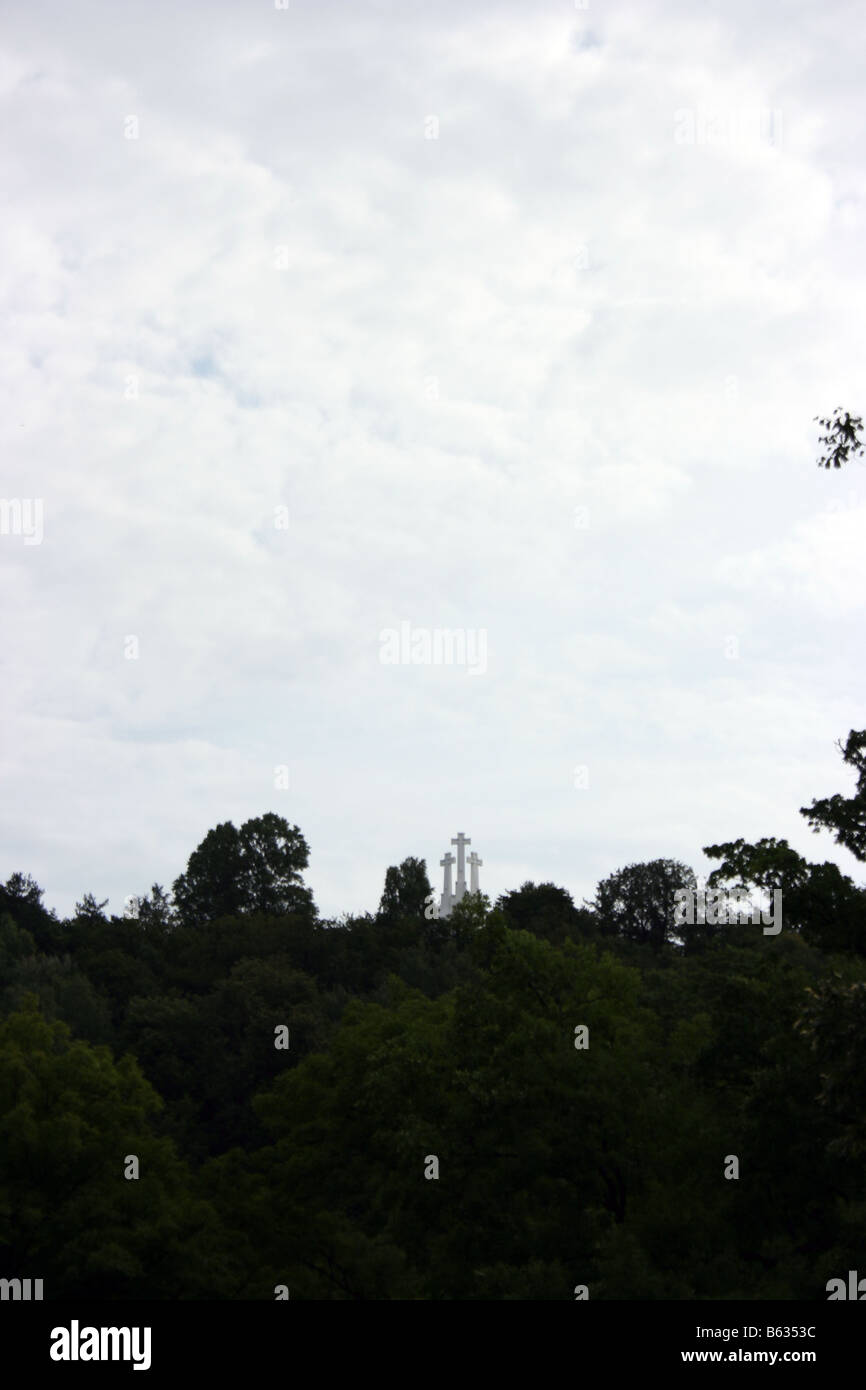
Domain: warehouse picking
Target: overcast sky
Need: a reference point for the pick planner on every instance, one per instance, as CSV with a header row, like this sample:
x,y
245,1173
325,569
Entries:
x,y
504,319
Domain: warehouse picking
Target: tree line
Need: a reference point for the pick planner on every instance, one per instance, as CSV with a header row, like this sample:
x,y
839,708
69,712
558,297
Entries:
x,y
581,1073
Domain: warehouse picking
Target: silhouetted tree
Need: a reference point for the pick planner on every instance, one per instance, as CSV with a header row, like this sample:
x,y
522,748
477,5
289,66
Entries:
x,y
638,903
21,897
817,899
841,438
545,910
237,872
845,816
407,888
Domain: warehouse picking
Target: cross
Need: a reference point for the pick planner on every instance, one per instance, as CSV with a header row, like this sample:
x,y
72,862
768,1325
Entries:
x,y
461,842
446,864
475,864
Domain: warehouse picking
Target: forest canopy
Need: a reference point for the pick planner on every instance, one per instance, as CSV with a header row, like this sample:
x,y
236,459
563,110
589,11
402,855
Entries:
x,y
507,1103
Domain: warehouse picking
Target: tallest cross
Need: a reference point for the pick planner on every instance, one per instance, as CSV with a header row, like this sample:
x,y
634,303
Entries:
x,y
461,842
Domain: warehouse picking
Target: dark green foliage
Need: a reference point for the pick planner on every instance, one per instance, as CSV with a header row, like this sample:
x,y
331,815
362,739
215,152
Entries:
x,y
548,911
21,897
69,1117
559,1165
154,911
845,816
237,872
406,891
637,903
841,440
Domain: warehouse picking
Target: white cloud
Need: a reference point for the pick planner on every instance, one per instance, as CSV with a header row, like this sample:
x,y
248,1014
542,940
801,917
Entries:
x,y
431,352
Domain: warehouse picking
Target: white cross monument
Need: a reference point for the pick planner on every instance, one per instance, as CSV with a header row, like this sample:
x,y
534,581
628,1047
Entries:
x,y
446,902
450,895
461,842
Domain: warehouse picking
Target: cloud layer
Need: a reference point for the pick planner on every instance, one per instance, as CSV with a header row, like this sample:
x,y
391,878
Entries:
x,y
325,319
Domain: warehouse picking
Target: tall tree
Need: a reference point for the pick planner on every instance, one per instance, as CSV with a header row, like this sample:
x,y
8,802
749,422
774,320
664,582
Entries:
x,y
638,902
545,910
89,912
154,911
407,889
237,872
817,899
21,897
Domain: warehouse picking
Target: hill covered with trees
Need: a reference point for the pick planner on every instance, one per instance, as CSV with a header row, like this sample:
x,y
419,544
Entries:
x,y
220,1094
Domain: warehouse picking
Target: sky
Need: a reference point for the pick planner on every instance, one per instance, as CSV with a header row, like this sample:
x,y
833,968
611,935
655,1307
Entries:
x,y
408,411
